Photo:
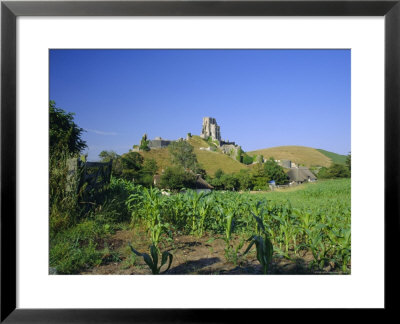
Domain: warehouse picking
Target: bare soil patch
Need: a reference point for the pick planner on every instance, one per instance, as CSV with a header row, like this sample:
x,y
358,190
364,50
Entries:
x,y
192,255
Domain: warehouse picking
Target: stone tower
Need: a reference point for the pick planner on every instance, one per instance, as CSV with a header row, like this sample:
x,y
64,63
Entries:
x,y
210,128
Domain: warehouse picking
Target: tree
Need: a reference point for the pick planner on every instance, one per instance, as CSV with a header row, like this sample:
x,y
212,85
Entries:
x,y
348,161
230,182
216,183
150,166
144,144
334,171
323,173
275,172
259,178
131,165
182,154
176,177
146,174
107,156
244,179
218,174
239,154
338,171
247,159
65,135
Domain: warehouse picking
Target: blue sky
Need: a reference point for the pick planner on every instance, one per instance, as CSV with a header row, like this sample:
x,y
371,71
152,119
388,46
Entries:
x,y
260,98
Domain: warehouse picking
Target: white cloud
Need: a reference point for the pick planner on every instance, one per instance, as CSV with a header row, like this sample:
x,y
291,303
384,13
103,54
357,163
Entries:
x,y
101,132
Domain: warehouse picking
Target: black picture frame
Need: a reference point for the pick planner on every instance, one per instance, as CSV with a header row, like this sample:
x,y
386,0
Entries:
x,y
10,10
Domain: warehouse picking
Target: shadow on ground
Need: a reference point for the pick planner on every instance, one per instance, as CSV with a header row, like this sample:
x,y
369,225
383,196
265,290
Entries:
x,y
294,266
193,266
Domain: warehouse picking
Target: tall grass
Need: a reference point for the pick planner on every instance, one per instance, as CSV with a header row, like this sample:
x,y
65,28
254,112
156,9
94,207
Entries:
x,y
64,209
81,223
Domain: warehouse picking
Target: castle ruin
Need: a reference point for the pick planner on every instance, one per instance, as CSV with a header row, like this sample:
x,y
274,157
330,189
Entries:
x,y
159,142
210,128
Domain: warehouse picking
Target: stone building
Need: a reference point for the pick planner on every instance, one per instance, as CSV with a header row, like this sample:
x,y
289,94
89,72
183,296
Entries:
x,y
231,150
158,142
284,163
210,128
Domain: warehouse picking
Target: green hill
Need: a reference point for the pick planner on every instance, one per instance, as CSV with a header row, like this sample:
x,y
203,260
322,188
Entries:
x,y
210,161
300,155
336,158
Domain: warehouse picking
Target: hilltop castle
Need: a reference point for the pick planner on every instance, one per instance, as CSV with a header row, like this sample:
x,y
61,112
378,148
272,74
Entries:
x,y
210,128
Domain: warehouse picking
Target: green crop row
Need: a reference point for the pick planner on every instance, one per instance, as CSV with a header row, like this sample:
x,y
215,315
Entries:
x,y
315,219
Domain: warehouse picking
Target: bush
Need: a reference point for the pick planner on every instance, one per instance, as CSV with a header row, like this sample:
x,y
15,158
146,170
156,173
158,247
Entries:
x,y
107,156
244,179
144,144
182,154
247,159
258,177
239,154
230,182
176,178
334,171
274,171
131,165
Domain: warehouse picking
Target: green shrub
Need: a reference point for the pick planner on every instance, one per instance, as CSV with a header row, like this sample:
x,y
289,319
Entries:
x,y
247,159
275,172
144,144
176,177
334,171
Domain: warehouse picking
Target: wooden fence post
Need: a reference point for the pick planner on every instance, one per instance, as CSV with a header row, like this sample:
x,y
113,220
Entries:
x,y
78,174
73,174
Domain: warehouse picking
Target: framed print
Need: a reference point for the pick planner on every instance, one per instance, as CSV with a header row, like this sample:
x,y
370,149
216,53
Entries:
x,y
261,73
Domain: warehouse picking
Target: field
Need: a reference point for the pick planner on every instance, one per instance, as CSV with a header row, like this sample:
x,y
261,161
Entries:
x,y
301,230
299,154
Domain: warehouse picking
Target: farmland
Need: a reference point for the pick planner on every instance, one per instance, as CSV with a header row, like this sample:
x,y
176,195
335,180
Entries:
x,y
131,229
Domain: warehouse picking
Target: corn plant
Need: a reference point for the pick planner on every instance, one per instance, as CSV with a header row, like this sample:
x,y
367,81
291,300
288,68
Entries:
x,y
134,204
204,210
342,242
228,233
153,205
228,211
232,253
263,245
318,247
152,259
194,200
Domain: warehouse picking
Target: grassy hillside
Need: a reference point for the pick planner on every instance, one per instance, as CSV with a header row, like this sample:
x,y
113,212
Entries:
x,y
161,156
210,161
299,154
336,158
